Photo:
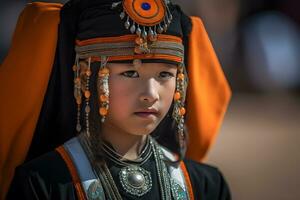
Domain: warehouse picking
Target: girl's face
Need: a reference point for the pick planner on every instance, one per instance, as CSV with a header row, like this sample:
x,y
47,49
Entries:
x,y
140,96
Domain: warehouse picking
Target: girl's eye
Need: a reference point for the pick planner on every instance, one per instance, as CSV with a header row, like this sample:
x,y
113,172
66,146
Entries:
x,y
166,75
130,74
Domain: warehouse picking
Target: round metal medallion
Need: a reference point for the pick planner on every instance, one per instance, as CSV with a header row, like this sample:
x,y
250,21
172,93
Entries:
x,y
145,12
135,180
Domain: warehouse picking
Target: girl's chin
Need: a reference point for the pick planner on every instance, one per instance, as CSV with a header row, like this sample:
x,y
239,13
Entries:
x,y
142,132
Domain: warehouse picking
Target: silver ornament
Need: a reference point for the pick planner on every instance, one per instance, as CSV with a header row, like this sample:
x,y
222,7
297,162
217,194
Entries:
x,y
150,32
132,28
138,31
122,15
144,34
160,29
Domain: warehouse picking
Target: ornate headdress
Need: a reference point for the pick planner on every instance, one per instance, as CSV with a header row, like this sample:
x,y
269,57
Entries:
x,y
146,37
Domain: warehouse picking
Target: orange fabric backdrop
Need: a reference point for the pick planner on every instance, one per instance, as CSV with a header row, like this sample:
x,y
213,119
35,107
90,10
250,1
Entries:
x,y
208,93
24,76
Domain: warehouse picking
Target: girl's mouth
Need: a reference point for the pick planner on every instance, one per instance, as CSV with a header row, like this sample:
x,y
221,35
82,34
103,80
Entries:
x,y
147,113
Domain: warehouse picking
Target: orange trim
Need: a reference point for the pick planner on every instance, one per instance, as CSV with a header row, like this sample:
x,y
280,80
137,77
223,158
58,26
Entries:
x,y
141,56
125,38
187,180
73,171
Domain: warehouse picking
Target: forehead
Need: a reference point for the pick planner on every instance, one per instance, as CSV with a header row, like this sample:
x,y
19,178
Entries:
x,y
140,65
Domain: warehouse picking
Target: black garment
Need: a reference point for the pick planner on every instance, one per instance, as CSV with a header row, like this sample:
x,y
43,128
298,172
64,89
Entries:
x,y
47,177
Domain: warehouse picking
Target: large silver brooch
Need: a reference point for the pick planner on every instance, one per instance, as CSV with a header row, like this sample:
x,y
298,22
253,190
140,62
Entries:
x,y
135,180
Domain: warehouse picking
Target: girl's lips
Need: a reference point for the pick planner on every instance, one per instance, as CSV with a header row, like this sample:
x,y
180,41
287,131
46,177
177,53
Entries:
x,y
146,114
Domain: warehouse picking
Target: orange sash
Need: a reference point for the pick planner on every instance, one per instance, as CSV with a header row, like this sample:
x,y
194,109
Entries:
x,y
208,93
24,76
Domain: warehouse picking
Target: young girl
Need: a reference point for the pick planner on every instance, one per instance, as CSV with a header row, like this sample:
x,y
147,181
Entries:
x,y
129,87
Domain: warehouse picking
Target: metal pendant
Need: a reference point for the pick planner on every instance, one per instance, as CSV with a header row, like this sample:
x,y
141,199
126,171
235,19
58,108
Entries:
x,y
135,180
178,192
95,191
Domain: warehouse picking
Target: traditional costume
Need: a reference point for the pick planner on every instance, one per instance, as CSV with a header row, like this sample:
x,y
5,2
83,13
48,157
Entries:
x,y
90,34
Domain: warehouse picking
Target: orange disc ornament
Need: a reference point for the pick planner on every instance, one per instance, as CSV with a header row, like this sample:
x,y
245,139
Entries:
x,y
145,12
146,18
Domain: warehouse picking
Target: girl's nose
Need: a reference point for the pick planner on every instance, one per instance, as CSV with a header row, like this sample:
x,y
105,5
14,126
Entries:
x,y
150,93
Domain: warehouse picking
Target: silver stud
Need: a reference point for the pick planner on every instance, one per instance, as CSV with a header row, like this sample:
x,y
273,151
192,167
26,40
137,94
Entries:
x,y
150,32
138,31
155,35
132,28
78,127
144,33
114,5
160,29
122,15
127,23
169,21
165,27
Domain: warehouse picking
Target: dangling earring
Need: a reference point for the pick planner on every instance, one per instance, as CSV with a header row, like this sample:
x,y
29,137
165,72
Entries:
x,y
77,92
179,98
87,95
103,90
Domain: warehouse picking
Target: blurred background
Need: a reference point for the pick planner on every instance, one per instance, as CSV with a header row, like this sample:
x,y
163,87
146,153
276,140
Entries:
x,y
258,45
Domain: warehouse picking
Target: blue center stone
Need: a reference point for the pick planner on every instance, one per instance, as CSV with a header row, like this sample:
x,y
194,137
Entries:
x,y
146,6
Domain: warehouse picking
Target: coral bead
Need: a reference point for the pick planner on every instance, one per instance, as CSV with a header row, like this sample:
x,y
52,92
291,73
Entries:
x,y
75,68
103,98
87,94
103,111
88,72
78,100
181,76
177,96
182,111
104,72
77,80
139,40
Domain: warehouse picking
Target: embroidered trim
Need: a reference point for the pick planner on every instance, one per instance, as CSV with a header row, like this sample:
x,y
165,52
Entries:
x,y
77,182
75,178
127,47
125,38
187,180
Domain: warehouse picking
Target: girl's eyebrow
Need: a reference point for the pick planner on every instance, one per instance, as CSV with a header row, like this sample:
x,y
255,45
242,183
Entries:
x,y
171,65
123,65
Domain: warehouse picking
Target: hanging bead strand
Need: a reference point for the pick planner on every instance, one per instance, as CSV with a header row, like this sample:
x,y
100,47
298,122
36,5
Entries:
x,y
103,89
77,93
179,110
87,95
